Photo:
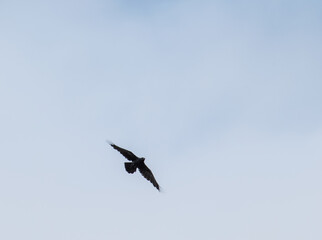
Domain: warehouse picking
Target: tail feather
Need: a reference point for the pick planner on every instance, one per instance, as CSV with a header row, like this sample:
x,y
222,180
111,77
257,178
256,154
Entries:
x,y
130,167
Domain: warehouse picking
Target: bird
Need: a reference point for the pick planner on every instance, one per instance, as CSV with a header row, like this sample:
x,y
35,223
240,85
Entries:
x,y
136,163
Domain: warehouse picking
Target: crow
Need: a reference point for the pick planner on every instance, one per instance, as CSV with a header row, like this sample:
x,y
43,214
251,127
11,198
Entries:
x,y
137,163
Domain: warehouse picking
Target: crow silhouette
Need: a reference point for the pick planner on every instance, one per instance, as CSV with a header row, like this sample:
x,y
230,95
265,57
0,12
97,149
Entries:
x,y
137,162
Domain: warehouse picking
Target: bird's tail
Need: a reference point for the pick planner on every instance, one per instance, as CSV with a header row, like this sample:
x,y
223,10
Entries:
x,y
130,167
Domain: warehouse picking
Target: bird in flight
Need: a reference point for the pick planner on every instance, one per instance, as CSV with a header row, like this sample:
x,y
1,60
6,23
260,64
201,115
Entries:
x,y
137,163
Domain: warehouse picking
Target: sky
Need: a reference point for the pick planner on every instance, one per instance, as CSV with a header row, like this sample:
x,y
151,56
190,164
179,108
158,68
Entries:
x,y
222,98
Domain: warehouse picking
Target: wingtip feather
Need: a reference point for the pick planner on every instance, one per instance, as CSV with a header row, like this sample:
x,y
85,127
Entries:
x,y
110,142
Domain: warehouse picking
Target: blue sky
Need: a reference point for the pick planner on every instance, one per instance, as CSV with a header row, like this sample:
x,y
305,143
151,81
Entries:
x,y
222,98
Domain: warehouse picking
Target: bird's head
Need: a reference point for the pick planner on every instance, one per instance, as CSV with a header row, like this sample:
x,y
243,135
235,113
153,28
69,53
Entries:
x,y
142,159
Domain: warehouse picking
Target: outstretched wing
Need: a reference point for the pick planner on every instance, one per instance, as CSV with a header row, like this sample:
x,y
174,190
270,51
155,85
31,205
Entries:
x,y
126,153
147,173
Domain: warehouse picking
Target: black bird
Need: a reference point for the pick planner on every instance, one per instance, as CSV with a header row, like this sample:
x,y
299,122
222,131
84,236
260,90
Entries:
x,y
137,162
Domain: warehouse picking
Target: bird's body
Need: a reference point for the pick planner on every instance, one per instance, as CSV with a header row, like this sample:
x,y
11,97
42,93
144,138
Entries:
x,y
136,163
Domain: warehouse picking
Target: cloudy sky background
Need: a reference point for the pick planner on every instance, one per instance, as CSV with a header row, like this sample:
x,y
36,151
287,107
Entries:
x,y
223,98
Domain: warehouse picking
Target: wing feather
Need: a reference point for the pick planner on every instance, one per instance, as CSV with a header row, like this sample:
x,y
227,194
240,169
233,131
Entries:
x,y
147,173
126,153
